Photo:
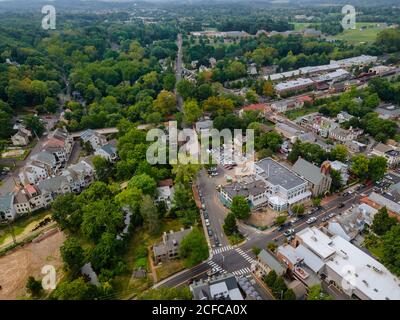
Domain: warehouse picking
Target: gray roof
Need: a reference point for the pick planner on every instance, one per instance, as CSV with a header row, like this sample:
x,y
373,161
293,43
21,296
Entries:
x,y
385,200
52,184
309,171
277,174
44,157
87,134
205,124
245,189
6,202
271,261
110,149
168,241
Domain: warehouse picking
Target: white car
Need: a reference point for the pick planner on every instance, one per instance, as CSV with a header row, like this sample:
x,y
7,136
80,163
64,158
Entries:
x,y
207,222
311,220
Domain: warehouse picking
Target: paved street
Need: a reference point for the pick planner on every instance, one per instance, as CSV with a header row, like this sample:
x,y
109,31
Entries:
x,y
238,260
178,67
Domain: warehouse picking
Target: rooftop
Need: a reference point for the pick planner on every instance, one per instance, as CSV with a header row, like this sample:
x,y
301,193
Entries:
x,y
308,170
277,174
317,241
271,261
253,188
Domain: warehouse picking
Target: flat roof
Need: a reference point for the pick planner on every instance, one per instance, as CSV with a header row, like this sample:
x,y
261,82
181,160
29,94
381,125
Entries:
x,y
369,276
317,241
277,174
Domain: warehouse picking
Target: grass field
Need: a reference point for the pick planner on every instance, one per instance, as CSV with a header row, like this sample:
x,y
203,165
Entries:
x,y
365,32
302,25
294,114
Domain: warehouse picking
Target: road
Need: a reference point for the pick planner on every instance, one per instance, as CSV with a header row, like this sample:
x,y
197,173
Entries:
x,y
178,72
238,260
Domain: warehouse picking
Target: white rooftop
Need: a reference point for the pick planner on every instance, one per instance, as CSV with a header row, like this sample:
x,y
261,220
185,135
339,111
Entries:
x,y
317,241
293,84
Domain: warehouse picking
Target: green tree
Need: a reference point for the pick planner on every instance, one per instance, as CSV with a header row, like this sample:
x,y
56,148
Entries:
x,y
72,255
230,226
340,153
360,165
382,222
34,124
185,173
377,167
186,89
77,289
165,103
391,249
316,293
145,183
337,181
289,295
65,210
150,215
193,248
240,208
298,209
105,253
165,293
191,110
103,168
34,287
280,220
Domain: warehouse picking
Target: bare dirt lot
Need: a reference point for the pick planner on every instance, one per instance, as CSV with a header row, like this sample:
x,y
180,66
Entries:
x,y
263,218
18,265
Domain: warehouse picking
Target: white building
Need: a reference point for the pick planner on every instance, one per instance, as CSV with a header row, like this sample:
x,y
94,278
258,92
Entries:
x,y
7,210
107,151
95,139
294,85
359,61
342,168
349,268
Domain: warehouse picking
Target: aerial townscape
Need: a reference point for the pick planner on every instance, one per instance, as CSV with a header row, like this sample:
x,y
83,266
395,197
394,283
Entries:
x,y
313,213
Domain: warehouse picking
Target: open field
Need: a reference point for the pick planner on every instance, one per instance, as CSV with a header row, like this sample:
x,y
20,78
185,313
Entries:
x,y
365,32
18,265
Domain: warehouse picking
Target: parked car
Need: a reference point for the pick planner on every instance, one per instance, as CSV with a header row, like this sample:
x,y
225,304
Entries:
x,y
331,215
294,220
210,233
288,232
324,219
207,222
205,215
341,205
311,220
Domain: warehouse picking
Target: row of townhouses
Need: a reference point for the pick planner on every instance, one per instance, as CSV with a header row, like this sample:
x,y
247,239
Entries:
x,y
46,175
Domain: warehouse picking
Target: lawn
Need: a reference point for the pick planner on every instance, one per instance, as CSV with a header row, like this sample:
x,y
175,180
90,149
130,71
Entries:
x,y
136,256
22,226
294,114
360,35
302,25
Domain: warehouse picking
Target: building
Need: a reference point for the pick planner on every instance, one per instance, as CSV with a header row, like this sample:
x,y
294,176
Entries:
x,y
388,112
53,187
283,187
355,146
351,223
260,107
343,116
360,61
347,267
204,127
342,168
107,151
22,137
165,192
389,152
287,131
299,84
344,135
96,140
221,287
60,144
290,104
79,175
338,75
389,200
318,178
7,210
255,192
267,261
168,249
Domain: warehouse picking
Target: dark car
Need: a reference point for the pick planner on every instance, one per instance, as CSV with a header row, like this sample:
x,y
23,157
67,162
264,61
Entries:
x,y
210,233
280,228
341,205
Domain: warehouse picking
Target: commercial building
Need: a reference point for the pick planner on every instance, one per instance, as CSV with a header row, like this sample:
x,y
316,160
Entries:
x,y
360,61
254,191
294,85
221,287
318,178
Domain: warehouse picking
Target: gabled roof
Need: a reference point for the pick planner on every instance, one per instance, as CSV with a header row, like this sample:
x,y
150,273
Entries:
x,y
109,149
6,202
271,261
309,171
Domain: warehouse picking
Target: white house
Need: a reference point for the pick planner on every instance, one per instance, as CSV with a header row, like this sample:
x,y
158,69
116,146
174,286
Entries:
x,y
95,139
7,210
107,151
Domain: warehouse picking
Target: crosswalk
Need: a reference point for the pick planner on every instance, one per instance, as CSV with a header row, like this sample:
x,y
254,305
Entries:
x,y
215,266
222,249
241,272
245,255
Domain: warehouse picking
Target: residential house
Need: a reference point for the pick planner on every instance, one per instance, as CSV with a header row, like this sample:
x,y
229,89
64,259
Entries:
x,y
60,144
221,287
96,140
343,116
355,146
7,210
388,112
108,151
389,152
352,222
53,187
344,135
267,261
22,137
204,127
390,200
165,192
290,104
79,175
318,178
168,249
342,168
